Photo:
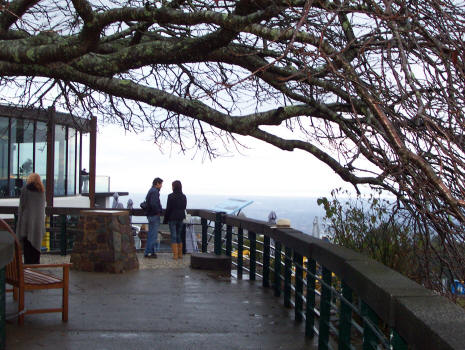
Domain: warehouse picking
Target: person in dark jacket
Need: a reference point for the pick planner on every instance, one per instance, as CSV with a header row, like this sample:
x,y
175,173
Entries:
x,y
30,227
174,215
154,211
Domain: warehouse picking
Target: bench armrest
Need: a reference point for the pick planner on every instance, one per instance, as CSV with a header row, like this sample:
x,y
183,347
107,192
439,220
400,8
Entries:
x,y
39,266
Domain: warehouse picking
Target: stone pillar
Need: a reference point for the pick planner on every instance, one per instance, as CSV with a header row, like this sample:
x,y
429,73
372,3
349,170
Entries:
x,y
104,243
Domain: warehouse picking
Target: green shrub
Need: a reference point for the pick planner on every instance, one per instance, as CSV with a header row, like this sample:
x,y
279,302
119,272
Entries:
x,y
370,226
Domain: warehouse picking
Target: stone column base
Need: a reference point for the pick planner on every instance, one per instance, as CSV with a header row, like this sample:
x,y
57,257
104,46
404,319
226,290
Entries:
x,y
104,243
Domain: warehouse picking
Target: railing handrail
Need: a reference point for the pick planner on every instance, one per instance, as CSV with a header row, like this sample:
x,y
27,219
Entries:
x,y
208,214
424,319
71,210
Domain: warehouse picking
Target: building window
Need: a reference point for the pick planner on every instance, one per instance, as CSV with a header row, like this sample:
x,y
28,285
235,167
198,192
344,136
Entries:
x,y
22,153
23,150
60,160
78,161
71,180
40,148
4,128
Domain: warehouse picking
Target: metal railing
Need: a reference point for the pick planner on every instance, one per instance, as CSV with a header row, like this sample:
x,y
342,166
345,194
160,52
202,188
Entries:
x,y
62,225
347,300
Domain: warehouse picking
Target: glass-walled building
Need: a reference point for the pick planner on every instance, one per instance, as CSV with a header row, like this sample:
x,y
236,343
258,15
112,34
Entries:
x,y
45,142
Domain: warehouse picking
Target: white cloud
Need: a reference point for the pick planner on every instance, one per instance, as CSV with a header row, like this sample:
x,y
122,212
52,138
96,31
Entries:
x,y
132,161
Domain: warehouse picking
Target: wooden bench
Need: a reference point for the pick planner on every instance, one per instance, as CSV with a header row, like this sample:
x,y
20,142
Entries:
x,y
26,277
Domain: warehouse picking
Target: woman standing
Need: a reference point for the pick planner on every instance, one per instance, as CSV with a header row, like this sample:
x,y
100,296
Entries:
x,y
174,215
31,218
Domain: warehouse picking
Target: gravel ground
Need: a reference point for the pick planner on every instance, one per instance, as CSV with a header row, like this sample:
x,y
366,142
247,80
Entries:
x,y
164,260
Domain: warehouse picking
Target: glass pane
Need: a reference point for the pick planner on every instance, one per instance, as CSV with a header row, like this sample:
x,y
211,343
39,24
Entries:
x,y
26,152
71,161
78,176
85,151
4,157
102,183
13,158
41,151
85,163
22,152
60,160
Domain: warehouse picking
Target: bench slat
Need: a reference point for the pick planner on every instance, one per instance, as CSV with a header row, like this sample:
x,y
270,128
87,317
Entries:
x,y
36,277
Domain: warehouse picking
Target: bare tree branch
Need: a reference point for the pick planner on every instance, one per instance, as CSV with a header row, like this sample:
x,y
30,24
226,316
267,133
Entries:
x,y
372,89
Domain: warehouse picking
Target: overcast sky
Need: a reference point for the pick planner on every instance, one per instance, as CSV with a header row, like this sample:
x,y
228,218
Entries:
x,y
133,161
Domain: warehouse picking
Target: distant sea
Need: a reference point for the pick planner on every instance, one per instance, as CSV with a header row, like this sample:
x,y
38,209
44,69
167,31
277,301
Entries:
x,y
301,211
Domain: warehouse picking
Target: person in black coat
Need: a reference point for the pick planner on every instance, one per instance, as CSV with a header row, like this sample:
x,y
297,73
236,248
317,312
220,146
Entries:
x,y
175,213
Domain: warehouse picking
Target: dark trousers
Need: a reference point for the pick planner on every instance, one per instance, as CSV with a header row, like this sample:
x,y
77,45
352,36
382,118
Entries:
x,y
31,254
183,238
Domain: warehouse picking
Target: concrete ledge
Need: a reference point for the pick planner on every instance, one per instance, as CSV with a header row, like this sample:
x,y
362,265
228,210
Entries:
x,y
210,261
440,322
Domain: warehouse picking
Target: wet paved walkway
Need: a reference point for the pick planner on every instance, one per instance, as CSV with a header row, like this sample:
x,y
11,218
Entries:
x,y
164,305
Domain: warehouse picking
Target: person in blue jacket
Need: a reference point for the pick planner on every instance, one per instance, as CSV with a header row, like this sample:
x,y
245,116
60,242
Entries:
x,y
154,210
174,216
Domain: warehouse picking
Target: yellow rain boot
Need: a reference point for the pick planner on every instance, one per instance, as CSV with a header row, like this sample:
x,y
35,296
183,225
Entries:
x,y
179,250
174,248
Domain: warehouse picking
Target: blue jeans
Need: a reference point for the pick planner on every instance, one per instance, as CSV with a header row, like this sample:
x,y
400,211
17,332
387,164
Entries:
x,y
152,237
175,230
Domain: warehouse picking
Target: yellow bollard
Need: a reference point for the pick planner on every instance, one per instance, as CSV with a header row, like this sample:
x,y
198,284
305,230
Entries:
x,y
46,239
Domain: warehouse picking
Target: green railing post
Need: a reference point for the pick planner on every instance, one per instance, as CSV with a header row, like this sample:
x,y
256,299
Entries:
x,y
369,337
266,261
299,287
310,305
325,309
397,342
345,318
218,227
2,309
63,235
277,269
240,251
253,255
287,276
204,234
228,240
